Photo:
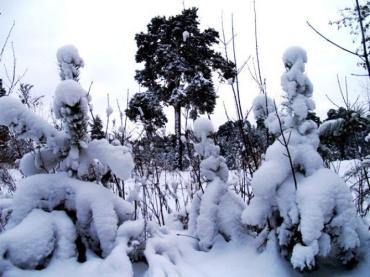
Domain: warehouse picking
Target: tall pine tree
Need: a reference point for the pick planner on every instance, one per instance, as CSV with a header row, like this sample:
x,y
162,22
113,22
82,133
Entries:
x,y
178,64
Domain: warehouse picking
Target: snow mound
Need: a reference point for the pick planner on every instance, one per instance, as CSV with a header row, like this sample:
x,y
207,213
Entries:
x,y
97,211
39,236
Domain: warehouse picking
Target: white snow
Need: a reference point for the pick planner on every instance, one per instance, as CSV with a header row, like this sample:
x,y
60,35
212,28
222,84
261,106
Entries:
x,y
301,211
185,36
118,158
109,111
218,210
311,200
294,55
262,106
69,61
68,94
203,127
31,242
25,124
98,210
330,126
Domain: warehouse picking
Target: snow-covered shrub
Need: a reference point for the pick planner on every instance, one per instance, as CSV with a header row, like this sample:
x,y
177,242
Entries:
x,y
71,149
38,238
92,213
25,124
308,206
64,217
218,209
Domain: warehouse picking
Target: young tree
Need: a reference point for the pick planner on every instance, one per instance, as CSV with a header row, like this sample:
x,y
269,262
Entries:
x,y
344,132
66,217
178,63
308,207
217,210
97,131
145,107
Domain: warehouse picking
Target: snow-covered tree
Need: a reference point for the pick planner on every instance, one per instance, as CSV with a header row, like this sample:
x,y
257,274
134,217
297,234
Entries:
x,y
307,206
178,64
71,106
54,216
217,210
97,131
145,107
344,132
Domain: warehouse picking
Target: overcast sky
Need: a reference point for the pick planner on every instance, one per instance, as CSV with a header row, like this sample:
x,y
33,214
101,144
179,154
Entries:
x,y
104,31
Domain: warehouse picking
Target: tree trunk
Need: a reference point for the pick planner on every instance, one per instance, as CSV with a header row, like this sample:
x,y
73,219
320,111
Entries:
x,y
179,148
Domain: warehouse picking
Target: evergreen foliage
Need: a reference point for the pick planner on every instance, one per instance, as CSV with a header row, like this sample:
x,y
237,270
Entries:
x,y
178,64
97,128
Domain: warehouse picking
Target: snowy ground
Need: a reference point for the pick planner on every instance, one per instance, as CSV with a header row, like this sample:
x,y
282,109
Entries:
x,y
224,259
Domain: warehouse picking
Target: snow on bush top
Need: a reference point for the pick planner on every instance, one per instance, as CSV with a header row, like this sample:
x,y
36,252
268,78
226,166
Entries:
x,y
69,61
69,93
203,127
262,106
294,54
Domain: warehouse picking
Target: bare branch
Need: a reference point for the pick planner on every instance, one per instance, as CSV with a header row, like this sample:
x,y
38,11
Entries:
x,y
331,101
363,41
6,41
332,42
256,45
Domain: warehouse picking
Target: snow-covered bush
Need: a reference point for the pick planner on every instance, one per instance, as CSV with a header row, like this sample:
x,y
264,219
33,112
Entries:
x,y
308,206
70,149
218,209
54,216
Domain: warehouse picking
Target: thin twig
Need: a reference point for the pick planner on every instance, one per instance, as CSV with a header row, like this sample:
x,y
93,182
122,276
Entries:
x,y
6,41
363,41
332,42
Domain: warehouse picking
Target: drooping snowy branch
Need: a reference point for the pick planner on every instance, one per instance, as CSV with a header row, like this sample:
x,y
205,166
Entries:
x,y
118,158
25,124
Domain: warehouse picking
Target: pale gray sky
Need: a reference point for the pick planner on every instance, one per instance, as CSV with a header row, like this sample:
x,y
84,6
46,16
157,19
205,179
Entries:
x,y
104,31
